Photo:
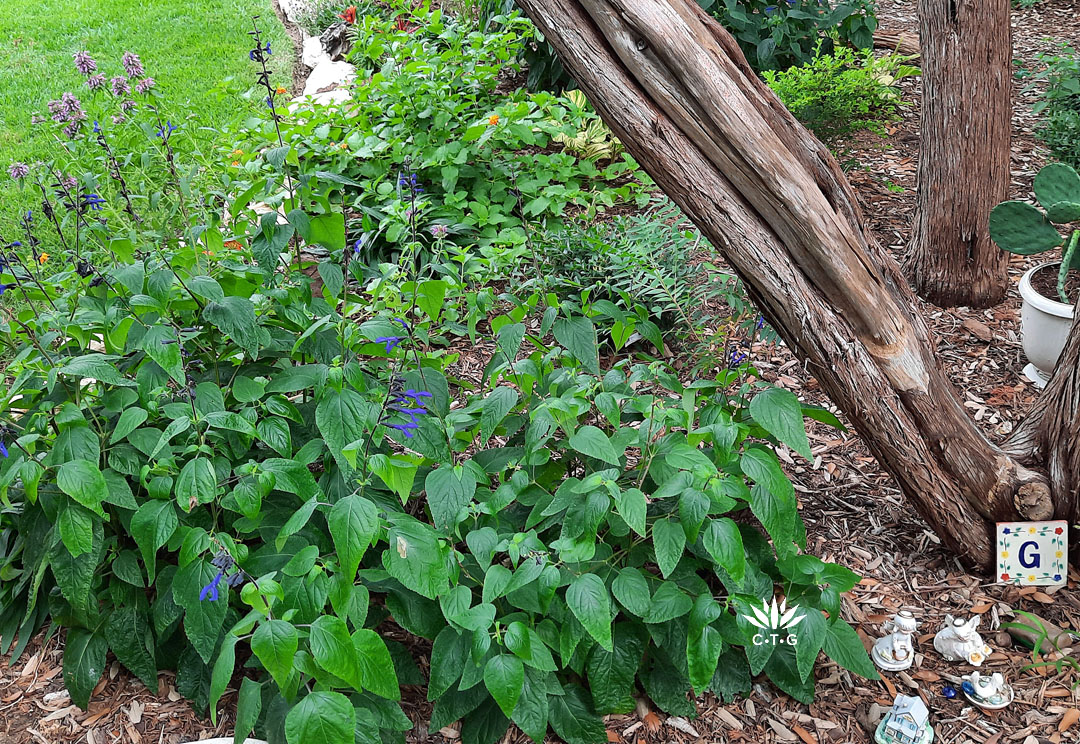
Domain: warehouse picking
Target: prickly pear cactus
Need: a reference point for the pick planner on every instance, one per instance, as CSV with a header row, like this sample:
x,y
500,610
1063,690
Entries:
x,y
1019,227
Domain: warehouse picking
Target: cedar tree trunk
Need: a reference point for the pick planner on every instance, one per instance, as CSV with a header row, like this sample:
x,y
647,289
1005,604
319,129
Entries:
x,y
966,50
677,91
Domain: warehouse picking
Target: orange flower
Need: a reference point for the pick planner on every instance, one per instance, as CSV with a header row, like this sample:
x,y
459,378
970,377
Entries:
x,y
493,120
349,16
344,145
208,253
236,163
237,152
281,90
43,258
236,245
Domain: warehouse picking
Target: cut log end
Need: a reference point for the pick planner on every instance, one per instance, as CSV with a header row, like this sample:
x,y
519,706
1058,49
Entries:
x,y
1034,501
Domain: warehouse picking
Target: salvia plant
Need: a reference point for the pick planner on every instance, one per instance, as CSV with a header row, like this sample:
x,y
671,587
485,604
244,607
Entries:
x,y
272,473
1024,229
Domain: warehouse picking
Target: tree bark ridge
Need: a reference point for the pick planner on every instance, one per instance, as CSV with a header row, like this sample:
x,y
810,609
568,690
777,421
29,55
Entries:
x,y
674,87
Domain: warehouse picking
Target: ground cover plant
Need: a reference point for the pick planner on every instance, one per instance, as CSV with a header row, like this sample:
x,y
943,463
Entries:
x,y
199,74
843,92
1060,103
224,457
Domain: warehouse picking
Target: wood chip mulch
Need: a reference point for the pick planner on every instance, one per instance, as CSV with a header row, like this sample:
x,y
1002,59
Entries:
x,y
855,516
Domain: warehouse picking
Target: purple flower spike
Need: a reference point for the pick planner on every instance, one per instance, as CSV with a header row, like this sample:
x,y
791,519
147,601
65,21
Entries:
x,y
407,429
144,85
95,82
84,63
132,64
119,86
210,591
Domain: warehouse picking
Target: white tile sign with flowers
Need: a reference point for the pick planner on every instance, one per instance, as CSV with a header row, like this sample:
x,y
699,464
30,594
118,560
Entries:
x,y
1032,553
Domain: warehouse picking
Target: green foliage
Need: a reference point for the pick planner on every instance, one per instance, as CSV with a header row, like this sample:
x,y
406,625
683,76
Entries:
x,y
776,36
221,452
843,92
485,162
1060,103
319,15
1021,228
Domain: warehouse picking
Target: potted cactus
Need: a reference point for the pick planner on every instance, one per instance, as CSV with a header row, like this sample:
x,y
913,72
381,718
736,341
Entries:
x,y
1049,290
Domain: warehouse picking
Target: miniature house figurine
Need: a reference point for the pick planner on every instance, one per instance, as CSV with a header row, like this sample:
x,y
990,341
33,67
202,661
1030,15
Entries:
x,y
908,722
894,652
990,692
959,641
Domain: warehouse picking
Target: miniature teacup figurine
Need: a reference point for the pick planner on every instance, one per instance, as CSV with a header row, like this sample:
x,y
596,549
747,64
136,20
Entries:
x,y
959,641
894,652
991,692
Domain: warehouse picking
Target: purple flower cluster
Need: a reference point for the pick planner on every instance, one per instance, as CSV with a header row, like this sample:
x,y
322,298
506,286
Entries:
x,y
68,110
18,171
410,403
95,82
84,63
132,64
119,86
439,232
144,85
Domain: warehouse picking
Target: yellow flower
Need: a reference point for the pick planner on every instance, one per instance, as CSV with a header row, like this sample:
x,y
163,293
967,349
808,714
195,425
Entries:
x,y
1031,577
237,152
43,258
1057,554
493,120
344,145
1031,530
1004,554
281,90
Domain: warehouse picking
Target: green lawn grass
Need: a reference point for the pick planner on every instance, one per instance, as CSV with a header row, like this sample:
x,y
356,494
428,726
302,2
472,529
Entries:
x,y
189,47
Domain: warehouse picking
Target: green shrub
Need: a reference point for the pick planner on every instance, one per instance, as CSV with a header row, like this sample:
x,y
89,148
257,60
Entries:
x,y
843,92
214,464
777,35
1060,104
319,15
485,161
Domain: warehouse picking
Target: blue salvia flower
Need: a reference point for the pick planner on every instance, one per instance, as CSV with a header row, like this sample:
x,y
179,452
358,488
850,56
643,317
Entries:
x,y
3,449
97,127
737,358
416,396
210,591
267,49
407,428
165,130
403,324
392,342
93,201
760,322
15,244
5,288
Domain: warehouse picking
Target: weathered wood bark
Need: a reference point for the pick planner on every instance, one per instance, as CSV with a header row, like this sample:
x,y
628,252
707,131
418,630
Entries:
x,y
675,88
901,42
1051,432
966,143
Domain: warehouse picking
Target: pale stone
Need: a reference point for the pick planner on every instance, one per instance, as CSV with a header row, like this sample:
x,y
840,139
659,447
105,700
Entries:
x,y
328,76
313,54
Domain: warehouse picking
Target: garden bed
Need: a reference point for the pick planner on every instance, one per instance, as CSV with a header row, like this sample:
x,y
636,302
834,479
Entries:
x,y
854,516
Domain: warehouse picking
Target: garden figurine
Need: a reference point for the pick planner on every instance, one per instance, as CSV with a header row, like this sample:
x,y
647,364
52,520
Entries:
x,y
907,722
990,692
960,641
894,651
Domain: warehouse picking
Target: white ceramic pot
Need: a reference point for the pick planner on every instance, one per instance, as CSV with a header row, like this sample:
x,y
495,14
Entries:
x,y
1044,328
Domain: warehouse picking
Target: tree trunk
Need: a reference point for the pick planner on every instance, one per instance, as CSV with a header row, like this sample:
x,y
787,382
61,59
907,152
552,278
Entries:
x,y
966,143
677,91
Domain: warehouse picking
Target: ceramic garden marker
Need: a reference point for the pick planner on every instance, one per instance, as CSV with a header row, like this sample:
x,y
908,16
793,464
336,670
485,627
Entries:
x,y
959,641
894,652
907,722
1032,553
990,692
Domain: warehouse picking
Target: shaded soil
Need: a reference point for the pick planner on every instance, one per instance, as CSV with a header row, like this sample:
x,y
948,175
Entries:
x,y
1045,282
